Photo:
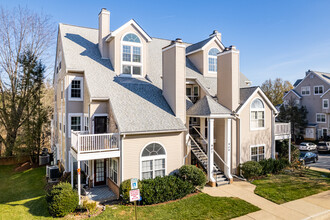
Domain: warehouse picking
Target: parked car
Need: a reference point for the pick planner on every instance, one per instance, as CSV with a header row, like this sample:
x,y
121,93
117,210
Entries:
x,y
323,146
306,157
307,146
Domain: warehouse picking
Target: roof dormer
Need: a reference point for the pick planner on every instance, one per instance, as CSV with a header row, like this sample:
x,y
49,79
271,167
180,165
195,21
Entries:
x,y
203,54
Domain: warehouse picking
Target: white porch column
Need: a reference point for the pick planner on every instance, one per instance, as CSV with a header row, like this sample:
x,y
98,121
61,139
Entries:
x,y
289,149
227,167
78,173
273,136
210,150
71,169
202,127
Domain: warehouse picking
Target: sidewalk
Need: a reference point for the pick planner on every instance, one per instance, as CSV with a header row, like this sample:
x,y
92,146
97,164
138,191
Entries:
x,y
312,207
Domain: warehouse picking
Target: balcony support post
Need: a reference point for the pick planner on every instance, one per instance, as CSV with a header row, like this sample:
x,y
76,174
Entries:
x,y
78,173
290,149
273,145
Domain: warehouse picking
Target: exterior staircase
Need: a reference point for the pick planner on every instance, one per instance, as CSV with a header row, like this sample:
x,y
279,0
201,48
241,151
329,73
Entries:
x,y
201,156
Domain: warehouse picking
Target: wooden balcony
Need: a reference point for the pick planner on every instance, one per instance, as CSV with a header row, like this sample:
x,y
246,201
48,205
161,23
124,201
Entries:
x,y
86,146
282,131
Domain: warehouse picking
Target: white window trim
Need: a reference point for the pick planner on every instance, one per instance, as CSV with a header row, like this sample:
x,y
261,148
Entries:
x,y
259,145
211,56
153,158
258,109
323,103
122,43
308,88
70,115
81,79
110,170
86,116
319,87
321,122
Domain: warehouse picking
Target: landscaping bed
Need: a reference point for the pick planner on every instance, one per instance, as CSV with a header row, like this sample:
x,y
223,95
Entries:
x,y
292,184
199,206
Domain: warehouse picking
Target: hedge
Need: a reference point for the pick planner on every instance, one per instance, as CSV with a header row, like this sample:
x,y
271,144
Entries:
x,y
193,175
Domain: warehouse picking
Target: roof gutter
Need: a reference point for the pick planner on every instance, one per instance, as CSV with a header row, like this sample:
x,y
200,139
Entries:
x,y
152,132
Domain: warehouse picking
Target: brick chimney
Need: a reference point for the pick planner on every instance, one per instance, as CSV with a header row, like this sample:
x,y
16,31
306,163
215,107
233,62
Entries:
x,y
174,77
228,79
104,30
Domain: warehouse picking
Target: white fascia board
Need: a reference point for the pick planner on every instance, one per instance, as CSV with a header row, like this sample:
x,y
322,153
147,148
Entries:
x,y
325,93
263,96
130,22
293,93
203,48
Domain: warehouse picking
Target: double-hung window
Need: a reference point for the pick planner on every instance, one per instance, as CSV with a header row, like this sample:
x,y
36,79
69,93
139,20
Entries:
x,y
318,90
325,103
76,88
75,122
212,58
257,111
153,161
305,90
320,118
131,55
257,153
114,170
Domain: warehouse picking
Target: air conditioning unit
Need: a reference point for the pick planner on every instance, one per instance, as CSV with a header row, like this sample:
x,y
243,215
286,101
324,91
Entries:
x,y
43,160
54,172
47,171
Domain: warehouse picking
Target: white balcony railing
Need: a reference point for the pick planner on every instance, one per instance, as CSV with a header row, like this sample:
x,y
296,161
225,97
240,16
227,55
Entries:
x,y
282,128
82,142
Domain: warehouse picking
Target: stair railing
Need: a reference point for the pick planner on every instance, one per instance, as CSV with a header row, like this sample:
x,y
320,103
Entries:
x,y
197,145
220,158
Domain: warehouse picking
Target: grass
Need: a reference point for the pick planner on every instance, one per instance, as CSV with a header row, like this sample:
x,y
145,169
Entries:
x,y
286,187
200,206
22,195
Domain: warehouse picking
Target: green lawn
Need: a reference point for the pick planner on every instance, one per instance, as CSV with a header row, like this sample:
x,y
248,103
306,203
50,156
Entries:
x,y
21,194
200,206
286,187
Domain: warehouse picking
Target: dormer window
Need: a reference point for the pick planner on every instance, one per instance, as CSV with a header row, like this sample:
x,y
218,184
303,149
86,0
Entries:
x,y
131,55
212,58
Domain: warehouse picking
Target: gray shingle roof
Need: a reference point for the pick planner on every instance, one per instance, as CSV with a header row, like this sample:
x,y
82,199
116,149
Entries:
x,y
297,82
198,45
207,106
325,76
245,94
137,104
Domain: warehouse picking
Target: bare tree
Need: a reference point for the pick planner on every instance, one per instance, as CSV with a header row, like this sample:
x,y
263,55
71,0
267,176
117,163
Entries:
x,y
21,30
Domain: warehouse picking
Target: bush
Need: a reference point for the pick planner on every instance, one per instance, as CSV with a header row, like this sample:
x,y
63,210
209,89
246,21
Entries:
x,y
124,189
62,200
162,189
193,175
251,169
89,206
273,166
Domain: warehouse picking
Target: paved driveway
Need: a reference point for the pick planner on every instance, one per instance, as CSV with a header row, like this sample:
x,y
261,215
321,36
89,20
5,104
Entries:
x,y
323,162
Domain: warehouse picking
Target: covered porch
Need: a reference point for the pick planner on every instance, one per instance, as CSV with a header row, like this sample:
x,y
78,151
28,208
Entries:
x,y
201,136
98,156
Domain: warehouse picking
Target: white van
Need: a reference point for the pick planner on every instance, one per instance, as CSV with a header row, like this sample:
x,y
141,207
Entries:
x,y
323,146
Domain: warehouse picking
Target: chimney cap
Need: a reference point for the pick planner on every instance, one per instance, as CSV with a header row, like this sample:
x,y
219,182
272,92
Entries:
x,y
104,10
214,33
178,40
232,47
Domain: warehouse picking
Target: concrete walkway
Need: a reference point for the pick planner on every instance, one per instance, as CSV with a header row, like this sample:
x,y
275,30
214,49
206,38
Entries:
x,y
312,207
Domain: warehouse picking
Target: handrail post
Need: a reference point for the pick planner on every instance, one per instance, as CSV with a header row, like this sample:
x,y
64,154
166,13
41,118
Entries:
x,y
78,142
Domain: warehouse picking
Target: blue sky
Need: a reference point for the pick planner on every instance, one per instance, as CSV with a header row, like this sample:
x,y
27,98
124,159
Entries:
x,y
276,38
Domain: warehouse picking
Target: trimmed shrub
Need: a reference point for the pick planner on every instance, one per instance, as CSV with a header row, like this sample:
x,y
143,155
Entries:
x,y
273,166
124,189
163,189
62,200
193,175
251,169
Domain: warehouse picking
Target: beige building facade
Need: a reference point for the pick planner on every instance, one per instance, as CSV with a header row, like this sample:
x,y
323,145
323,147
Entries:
x,y
128,105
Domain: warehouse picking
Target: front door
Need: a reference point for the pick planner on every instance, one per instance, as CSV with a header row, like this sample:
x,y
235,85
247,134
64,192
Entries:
x,y
100,172
100,123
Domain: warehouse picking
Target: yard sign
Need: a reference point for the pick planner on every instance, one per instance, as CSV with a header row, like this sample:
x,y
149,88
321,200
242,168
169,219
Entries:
x,y
134,195
134,183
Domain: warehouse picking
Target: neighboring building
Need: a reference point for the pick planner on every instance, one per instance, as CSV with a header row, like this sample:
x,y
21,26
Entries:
x,y
128,105
313,92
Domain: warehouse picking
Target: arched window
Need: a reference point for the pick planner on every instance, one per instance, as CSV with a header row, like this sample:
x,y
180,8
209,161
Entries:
x,y
131,55
257,114
212,58
153,161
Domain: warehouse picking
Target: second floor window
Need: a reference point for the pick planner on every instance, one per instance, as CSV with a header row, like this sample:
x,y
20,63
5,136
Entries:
x,y
305,90
131,55
318,90
320,118
257,114
75,123
325,103
212,58
76,88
